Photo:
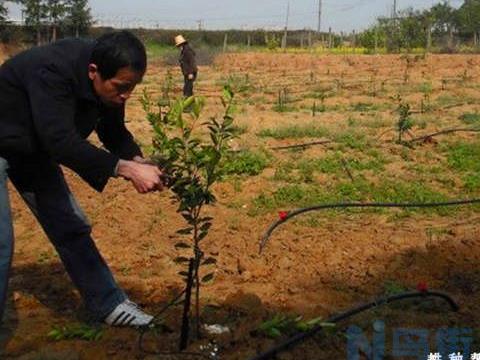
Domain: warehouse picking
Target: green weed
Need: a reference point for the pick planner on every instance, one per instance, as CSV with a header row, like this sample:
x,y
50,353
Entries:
x,y
470,118
295,132
77,331
464,156
245,163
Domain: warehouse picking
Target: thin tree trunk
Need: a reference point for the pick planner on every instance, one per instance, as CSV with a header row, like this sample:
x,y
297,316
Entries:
x,y
54,33
39,36
225,43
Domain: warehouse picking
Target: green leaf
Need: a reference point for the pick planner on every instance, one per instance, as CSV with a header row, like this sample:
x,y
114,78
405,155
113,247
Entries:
x,y
182,245
54,333
227,93
186,231
308,325
209,261
202,235
273,333
206,226
181,260
188,102
187,216
208,278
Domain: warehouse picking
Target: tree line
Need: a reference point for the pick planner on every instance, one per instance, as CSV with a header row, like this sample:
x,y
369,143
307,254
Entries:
x,y
441,26
47,20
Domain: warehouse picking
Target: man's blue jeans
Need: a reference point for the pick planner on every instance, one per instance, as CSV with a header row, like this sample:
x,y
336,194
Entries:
x,y
42,186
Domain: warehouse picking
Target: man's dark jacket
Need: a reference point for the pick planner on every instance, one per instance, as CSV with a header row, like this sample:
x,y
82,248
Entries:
x,y
187,60
48,108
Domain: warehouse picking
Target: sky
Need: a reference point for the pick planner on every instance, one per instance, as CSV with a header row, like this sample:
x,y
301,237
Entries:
x,y
340,15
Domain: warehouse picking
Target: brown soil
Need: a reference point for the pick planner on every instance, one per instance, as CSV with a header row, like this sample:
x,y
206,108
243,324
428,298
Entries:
x,y
319,270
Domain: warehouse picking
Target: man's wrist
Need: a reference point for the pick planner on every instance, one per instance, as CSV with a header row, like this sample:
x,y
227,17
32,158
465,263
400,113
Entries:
x,y
115,170
123,168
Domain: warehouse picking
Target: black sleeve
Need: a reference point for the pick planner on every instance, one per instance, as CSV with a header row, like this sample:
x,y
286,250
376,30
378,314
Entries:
x,y
189,61
53,111
114,135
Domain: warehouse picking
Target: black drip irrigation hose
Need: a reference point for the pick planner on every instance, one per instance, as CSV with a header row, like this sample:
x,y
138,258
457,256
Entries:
x,y
296,339
443,132
291,214
302,146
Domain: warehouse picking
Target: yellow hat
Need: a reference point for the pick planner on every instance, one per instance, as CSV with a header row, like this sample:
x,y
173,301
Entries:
x,y
179,40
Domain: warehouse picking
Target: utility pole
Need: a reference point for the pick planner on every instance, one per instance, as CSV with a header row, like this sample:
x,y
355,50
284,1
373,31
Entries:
x,y
200,24
320,5
285,34
394,23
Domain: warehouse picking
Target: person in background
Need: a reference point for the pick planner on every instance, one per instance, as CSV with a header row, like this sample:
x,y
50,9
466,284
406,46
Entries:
x,y
188,64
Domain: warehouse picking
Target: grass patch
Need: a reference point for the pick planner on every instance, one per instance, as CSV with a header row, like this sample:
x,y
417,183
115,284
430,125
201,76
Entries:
x,y
295,132
360,190
156,50
470,118
471,182
281,108
352,140
284,172
364,107
245,163
304,170
464,156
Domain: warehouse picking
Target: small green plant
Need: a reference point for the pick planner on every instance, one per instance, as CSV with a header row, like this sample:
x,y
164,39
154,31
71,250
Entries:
x,y
282,324
393,288
283,101
319,108
273,43
338,84
426,89
167,88
193,165
465,77
409,64
238,83
74,332
444,84
405,122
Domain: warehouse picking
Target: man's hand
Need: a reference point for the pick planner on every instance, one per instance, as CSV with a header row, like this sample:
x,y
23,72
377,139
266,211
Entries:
x,y
144,177
141,160
190,76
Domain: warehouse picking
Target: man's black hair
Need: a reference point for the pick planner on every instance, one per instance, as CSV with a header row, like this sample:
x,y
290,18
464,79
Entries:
x,y
116,50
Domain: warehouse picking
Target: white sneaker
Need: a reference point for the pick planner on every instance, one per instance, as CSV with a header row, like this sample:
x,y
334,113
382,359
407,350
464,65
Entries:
x,y
128,314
